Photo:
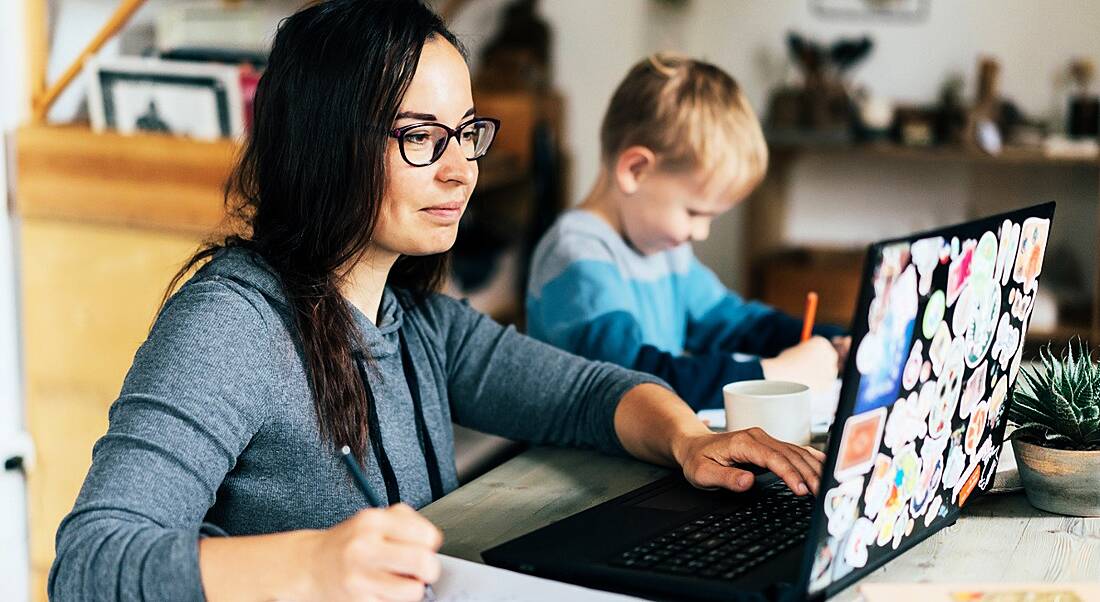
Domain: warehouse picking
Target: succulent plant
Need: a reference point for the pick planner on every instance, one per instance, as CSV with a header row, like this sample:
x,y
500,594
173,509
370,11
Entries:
x,y
1057,403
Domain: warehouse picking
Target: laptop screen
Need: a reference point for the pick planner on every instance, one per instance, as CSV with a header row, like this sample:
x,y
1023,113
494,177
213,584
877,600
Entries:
x,y
937,341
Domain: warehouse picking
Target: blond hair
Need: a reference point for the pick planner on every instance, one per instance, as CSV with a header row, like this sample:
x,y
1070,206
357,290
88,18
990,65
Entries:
x,y
692,115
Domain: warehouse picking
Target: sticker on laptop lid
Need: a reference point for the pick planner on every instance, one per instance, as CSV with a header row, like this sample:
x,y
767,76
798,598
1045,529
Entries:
x,y
1029,256
859,443
974,390
926,256
976,429
1006,254
958,275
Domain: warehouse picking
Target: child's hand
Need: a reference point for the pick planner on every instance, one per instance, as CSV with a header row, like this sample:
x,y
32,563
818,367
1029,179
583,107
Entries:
x,y
842,345
812,363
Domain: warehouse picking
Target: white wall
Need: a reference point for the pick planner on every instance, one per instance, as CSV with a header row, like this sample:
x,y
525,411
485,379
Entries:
x,y
844,201
14,562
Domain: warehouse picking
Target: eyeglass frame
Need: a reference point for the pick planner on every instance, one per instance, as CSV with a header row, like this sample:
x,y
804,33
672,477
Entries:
x,y
399,135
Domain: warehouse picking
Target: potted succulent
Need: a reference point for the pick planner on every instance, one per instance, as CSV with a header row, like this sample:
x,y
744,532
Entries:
x,y
1056,410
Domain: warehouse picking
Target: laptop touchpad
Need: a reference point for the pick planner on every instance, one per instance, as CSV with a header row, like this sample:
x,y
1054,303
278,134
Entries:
x,y
677,499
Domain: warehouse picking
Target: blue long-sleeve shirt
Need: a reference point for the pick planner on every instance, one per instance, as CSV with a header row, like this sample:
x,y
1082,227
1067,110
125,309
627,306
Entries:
x,y
590,293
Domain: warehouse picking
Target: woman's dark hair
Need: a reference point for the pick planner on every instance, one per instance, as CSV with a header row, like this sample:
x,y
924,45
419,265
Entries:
x,y
308,186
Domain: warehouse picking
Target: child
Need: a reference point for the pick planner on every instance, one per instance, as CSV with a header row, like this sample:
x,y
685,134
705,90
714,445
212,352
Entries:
x,y
616,278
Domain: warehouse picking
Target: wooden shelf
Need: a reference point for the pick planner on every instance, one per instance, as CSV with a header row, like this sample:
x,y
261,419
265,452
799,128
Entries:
x,y
1009,156
146,181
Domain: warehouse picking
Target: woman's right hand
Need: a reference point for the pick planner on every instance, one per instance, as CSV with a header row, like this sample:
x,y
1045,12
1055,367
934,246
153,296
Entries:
x,y
377,554
812,363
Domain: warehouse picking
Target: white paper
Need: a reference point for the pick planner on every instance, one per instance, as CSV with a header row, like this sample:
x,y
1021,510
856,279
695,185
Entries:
x,y
465,581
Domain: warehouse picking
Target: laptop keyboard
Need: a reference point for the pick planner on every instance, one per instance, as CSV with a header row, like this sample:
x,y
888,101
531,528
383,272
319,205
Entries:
x,y
724,545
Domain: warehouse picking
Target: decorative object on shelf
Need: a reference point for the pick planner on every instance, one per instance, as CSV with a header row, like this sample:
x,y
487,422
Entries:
x,y
950,124
1056,410
982,121
821,102
916,126
874,116
1084,105
199,100
912,11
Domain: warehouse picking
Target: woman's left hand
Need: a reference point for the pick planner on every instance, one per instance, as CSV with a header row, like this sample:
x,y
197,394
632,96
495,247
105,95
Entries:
x,y
708,460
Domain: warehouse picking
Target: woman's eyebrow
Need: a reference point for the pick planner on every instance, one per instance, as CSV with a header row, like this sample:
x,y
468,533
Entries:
x,y
428,116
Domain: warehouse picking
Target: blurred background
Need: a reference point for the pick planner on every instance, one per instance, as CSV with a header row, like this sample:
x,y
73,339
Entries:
x,y
120,121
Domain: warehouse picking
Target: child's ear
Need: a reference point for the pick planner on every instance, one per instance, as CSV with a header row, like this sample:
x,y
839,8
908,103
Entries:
x,y
632,166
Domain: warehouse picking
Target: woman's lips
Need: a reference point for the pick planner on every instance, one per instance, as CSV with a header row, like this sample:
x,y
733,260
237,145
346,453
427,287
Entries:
x,y
445,211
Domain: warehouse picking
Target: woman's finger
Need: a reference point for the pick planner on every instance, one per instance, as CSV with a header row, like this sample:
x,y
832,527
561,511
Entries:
x,y
708,474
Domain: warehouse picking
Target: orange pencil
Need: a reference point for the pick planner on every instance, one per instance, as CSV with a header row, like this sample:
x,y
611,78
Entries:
x,y
808,319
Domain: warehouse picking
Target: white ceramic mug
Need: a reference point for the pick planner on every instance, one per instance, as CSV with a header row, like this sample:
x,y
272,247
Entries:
x,y
781,408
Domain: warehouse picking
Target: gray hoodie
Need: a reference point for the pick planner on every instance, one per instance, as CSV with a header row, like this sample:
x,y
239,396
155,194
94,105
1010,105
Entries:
x,y
214,431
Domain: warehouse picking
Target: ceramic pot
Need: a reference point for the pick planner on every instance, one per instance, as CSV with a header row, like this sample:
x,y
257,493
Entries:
x,y
1058,480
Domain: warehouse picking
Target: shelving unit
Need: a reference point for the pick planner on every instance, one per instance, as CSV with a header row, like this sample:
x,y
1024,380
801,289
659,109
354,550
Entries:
x,y
773,265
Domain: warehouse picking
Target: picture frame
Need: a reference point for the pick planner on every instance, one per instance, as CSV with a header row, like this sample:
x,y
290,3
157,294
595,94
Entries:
x,y
911,11
135,94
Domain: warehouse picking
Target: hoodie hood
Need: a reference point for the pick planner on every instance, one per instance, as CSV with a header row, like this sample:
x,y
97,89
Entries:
x,y
249,270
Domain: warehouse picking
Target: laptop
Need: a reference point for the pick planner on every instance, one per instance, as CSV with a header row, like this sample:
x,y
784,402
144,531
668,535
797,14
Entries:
x,y
937,340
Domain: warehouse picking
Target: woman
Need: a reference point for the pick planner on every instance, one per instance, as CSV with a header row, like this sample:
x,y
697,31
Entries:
x,y
219,475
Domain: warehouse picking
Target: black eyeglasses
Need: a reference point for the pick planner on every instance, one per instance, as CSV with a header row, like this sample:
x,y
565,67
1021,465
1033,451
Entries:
x,y
424,143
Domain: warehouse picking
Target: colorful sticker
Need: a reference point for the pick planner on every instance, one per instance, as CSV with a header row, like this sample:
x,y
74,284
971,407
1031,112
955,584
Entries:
x,y
933,314
883,351
874,497
842,506
1029,257
911,374
933,510
958,275
975,430
926,256
859,443
948,388
937,349
997,399
855,546
819,576
982,323
906,465
927,485
1022,305
967,483
905,423
1010,238
899,529
956,460
974,391
1006,342
984,263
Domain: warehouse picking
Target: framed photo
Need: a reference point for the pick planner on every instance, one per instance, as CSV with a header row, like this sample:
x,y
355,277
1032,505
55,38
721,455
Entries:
x,y
133,94
888,10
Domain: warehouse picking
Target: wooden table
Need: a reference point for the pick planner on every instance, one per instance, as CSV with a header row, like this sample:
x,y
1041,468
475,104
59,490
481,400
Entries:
x,y
999,538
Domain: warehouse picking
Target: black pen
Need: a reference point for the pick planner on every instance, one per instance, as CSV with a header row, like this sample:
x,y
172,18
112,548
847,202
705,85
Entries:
x,y
364,486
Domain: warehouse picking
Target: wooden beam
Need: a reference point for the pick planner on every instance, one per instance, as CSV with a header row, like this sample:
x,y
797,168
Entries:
x,y
117,21
35,15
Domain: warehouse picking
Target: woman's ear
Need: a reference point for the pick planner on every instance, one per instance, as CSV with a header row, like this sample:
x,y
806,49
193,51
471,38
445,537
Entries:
x,y
632,166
